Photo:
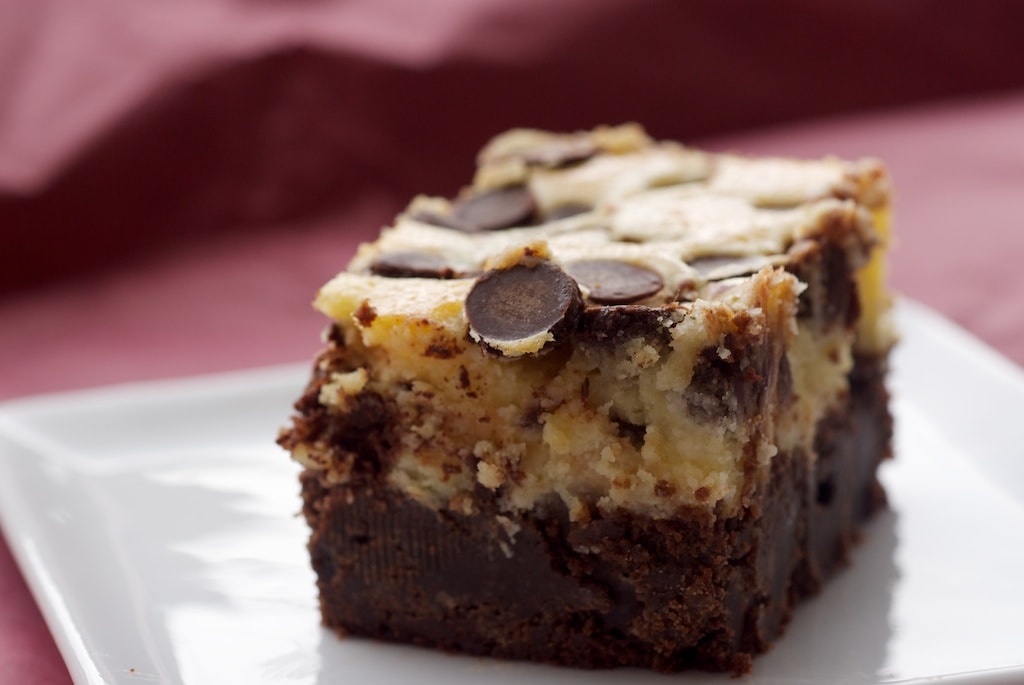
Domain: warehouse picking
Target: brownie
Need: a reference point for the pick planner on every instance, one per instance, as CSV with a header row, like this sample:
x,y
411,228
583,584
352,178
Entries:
x,y
619,403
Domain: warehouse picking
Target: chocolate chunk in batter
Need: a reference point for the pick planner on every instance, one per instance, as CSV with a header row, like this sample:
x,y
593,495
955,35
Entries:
x,y
733,385
611,326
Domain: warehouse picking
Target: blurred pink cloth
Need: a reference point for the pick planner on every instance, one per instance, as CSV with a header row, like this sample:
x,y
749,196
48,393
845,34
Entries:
x,y
176,180
242,300
129,126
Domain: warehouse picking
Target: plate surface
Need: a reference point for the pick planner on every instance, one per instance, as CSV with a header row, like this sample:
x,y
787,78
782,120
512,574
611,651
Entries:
x,y
157,527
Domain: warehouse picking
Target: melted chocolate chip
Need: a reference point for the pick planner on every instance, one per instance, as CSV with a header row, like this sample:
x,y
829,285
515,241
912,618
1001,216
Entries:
x,y
719,268
558,154
435,219
566,211
518,303
493,210
412,264
611,281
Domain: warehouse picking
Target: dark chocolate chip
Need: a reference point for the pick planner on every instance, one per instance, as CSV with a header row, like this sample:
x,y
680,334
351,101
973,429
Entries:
x,y
513,304
435,219
566,211
611,281
412,264
718,268
494,210
557,154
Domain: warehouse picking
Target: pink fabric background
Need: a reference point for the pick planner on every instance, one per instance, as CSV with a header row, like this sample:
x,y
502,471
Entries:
x,y
176,179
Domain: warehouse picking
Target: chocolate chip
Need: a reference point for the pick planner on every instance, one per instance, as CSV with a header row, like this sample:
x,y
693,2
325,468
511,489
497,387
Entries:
x,y
412,264
561,153
514,304
566,211
494,210
435,219
611,281
719,268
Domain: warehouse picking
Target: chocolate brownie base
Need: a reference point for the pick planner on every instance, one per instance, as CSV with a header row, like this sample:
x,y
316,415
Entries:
x,y
694,590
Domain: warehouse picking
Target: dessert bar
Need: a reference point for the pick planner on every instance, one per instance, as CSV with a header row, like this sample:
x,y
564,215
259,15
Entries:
x,y
619,402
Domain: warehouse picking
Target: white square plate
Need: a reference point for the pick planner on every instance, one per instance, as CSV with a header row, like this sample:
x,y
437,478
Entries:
x,y
156,525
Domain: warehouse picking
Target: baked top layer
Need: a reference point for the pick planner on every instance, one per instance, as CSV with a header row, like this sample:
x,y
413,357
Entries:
x,y
693,218
618,322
